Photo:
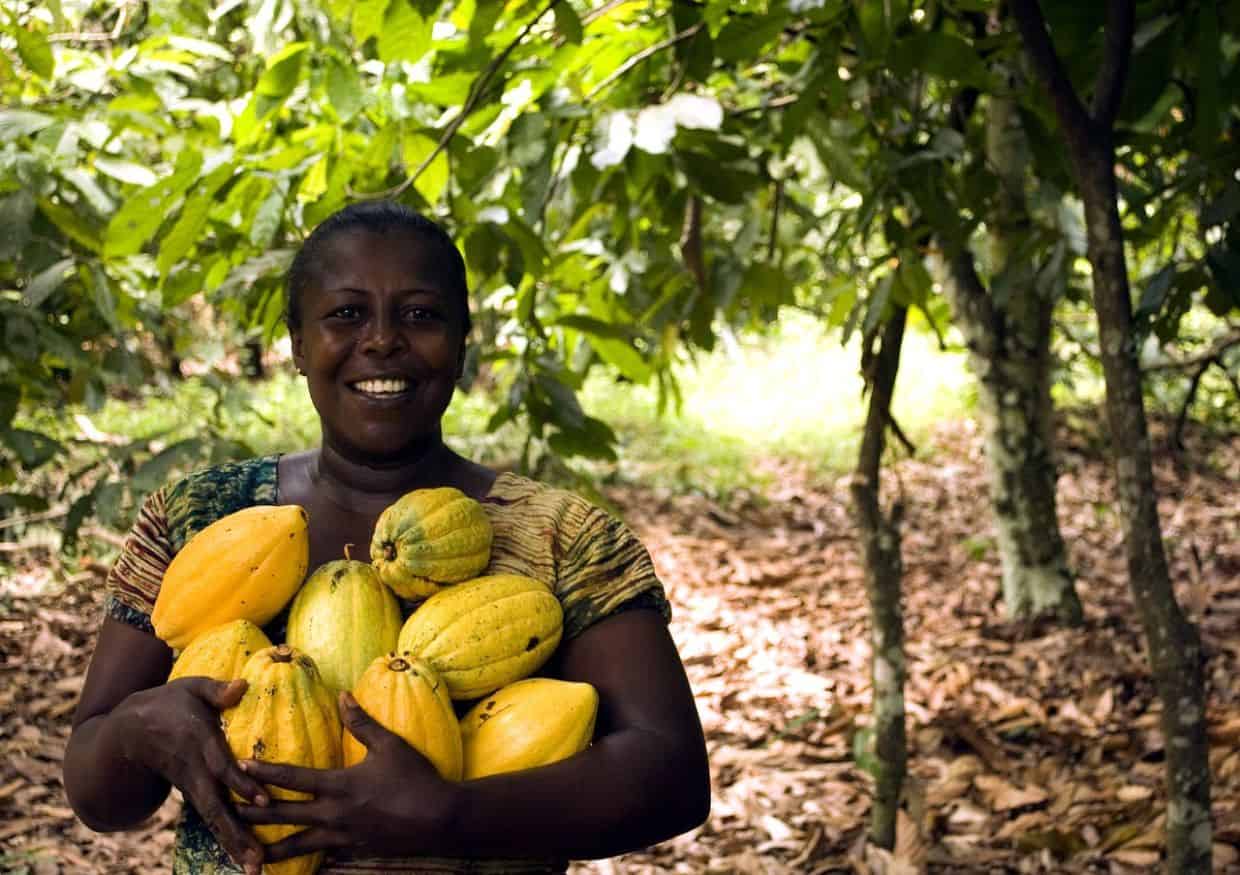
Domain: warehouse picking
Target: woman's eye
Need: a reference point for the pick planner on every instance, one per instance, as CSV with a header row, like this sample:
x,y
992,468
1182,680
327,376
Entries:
x,y
420,314
347,312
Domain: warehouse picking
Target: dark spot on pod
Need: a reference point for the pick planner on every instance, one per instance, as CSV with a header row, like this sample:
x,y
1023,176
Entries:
x,y
531,644
389,551
258,750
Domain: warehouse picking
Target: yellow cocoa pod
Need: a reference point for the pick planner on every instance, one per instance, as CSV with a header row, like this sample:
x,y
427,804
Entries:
x,y
534,722
408,698
343,617
287,715
485,633
428,538
221,652
244,566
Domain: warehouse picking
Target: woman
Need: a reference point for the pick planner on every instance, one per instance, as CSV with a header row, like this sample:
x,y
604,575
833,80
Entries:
x,y
378,315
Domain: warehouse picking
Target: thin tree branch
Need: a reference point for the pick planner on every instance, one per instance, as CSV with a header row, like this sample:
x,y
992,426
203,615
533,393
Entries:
x,y
1214,354
1177,436
1078,125
641,56
1109,86
775,210
471,103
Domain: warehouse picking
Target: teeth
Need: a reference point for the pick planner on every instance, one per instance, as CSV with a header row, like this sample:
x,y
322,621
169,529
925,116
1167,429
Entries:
x,y
381,387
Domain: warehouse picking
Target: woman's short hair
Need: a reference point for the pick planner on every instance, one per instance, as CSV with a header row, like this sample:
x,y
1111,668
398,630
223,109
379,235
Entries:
x,y
378,217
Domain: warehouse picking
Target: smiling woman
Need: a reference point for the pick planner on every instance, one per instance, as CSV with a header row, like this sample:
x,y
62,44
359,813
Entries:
x,y
378,316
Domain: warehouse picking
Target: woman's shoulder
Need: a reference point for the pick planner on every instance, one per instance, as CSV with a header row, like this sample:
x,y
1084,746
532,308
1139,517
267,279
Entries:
x,y
203,496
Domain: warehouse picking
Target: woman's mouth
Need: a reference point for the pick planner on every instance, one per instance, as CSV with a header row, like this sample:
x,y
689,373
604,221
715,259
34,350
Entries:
x,y
381,388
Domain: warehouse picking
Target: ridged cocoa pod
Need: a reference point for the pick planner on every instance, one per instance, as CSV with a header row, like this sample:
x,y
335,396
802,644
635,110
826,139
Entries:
x,y
220,653
342,618
408,698
287,715
534,722
485,633
429,538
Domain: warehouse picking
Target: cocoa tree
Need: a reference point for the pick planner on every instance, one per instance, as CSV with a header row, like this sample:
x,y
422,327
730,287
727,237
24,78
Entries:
x,y
1173,644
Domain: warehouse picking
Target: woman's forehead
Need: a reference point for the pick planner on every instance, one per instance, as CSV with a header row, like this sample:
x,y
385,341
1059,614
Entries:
x,y
360,258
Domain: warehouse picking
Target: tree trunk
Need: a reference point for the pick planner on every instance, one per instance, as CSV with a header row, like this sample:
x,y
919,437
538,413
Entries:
x,y
1008,335
1173,644
880,542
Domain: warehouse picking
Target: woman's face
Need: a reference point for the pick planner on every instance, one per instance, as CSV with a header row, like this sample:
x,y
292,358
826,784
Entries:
x,y
381,343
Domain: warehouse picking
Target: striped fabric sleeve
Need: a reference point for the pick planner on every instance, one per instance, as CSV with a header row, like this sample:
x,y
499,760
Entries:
x,y
135,577
605,570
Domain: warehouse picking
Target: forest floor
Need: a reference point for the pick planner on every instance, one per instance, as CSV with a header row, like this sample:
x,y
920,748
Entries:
x,y
1030,750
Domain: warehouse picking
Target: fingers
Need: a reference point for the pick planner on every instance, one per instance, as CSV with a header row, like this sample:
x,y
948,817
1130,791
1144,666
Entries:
x,y
308,812
306,780
218,694
364,728
224,767
240,843
308,841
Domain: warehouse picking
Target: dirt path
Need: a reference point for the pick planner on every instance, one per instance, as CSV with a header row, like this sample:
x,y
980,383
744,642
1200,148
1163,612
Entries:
x,y
1030,754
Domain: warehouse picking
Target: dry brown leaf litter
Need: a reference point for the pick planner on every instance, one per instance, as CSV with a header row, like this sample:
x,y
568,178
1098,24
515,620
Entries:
x,y
1029,754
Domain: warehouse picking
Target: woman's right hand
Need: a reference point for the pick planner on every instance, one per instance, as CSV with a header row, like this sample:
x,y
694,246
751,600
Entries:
x,y
174,731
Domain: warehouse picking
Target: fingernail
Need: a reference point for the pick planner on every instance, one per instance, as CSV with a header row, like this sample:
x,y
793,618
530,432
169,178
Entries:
x,y
243,765
253,863
261,799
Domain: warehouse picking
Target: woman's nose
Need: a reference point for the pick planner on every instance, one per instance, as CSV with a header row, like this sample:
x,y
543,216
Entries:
x,y
382,335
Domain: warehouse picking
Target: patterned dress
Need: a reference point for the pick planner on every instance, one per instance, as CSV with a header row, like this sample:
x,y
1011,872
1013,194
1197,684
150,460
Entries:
x,y
593,562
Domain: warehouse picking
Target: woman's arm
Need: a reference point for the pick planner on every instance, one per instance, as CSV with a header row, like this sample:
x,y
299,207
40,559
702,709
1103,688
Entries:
x,y
134,737
645,778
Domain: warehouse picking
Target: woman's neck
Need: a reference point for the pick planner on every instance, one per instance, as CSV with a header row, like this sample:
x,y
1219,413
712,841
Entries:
x,y
368,488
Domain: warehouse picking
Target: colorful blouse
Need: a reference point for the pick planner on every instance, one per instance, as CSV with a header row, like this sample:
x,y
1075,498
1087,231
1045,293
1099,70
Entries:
x,y
593,562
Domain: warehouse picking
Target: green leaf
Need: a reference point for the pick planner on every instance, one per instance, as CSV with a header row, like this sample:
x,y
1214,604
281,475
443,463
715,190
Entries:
x,y
726,183
594,440
344,89
406,35
138,220
126,171
744,37
267,219
16,213
249,272
450,89
155,471
32,448
101,293
72,225
568,23
415,148
35,52
43,284
10,400
201,47
181,285
188,228
486,13
16,123
1155,292
564,408
943,55
368,19
623,357
596,327
280,78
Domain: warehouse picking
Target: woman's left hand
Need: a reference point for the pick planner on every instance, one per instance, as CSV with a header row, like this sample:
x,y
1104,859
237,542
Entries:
x,y
392,803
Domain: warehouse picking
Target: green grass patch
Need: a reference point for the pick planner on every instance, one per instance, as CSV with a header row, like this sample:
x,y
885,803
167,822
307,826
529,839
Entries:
x,y
794,395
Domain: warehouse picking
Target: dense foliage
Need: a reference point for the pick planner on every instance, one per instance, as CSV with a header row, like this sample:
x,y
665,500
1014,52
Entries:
x,y
623,179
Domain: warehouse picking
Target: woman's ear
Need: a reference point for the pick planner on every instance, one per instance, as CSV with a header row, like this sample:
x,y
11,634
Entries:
x,y
299,358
